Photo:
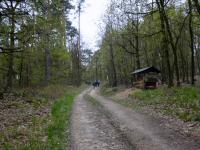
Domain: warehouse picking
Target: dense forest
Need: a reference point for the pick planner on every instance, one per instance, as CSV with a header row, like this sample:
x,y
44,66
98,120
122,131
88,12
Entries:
x,y
45,61
142,33
38,45
39,62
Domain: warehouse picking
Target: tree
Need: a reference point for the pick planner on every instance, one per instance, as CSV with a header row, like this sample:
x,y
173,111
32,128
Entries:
x,y
150,33
191,41
35,52
165,44
11,11
197,5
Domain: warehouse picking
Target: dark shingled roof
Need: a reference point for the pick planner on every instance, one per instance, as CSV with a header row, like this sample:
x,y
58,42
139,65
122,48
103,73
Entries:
x,y
146,70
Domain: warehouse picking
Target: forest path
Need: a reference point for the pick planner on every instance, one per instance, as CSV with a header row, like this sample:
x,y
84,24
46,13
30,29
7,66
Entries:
x,y
92,130
115,127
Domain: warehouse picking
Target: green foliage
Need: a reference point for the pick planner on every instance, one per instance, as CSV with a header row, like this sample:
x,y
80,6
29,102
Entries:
x,y
61,111
43,28
142,38
148,95
181,102
40,120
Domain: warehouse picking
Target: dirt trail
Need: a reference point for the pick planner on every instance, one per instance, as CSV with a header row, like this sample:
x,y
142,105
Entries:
x,y
115,127
145,132
92,130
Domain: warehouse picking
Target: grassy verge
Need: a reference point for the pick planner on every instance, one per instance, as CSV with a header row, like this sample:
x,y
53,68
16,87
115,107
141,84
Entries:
x,y
37,119
183,103
58,130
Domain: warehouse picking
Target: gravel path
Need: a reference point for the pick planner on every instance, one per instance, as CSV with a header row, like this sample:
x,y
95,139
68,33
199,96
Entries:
x,y
145,132
92,130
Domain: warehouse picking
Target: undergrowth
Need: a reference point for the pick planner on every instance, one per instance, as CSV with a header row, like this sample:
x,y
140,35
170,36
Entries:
x,y
58,130
37,119
181,102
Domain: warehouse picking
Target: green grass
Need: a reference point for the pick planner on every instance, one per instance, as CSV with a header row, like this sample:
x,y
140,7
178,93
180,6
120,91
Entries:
x,y
183,103
180,102
58,130
48,130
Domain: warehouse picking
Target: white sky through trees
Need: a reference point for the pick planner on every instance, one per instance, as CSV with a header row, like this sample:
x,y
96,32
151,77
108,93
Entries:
x,y
91,16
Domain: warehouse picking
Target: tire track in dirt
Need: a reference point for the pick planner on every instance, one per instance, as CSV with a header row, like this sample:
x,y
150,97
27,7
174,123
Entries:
x,y
144,132
92,130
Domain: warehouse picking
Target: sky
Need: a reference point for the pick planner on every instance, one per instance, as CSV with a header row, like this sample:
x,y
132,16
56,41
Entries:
x,y
91,17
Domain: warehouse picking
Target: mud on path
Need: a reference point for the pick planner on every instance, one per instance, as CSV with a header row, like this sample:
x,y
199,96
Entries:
x,y
92,130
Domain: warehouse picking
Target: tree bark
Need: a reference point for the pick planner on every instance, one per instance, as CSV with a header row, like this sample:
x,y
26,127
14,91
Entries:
x,y
47,47
197,5
21,67
47,65
191,42
171,40
165,44
10,72
114,75
137,42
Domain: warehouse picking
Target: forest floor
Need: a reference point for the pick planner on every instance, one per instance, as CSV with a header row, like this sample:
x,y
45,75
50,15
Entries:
x,y
36,118
100,123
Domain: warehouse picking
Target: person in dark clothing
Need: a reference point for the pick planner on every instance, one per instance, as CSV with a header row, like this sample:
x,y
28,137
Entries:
x,y
98,83
94,84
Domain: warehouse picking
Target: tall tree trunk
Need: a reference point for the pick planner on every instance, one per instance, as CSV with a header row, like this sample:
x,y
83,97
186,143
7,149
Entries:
x,y
187,72
79,46
197,5
165,45
183,65
198,62
163,68
21,67
96,68
137,40
137,52
171,40
47,46
28,72
10,72
191,42
198,55
114,75
47,64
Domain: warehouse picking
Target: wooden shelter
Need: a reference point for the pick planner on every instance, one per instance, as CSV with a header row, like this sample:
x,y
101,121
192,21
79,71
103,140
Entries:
x,y
146,77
